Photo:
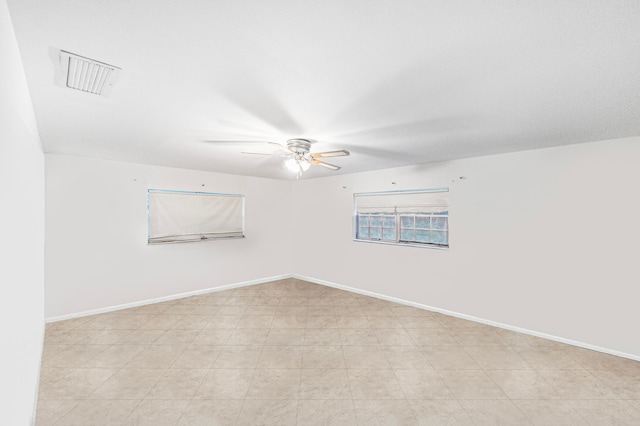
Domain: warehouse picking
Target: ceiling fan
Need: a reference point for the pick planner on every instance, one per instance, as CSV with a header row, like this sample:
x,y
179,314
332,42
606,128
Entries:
x,y
299,156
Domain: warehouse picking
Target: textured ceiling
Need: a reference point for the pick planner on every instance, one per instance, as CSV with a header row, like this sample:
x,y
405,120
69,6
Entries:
x,y
396,82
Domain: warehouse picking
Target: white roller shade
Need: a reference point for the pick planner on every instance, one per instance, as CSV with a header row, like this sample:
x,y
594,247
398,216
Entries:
x,y
436,201
193,216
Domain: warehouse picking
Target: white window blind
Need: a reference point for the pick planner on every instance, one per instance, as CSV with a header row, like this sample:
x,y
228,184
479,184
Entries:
x,y
181,216
432,201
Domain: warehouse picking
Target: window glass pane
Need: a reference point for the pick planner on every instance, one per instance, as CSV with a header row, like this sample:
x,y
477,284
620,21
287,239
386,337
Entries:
x,y
439,223
423,236
375,233
389,234
406,221
423,222
375,220
440,237
363,232
404,217
389,222
406,234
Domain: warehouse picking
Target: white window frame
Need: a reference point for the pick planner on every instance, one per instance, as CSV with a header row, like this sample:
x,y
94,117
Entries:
x,y
182,238
397,222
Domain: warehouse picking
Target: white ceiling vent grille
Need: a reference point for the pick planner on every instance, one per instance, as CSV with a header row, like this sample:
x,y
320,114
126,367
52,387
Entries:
x,y
86,75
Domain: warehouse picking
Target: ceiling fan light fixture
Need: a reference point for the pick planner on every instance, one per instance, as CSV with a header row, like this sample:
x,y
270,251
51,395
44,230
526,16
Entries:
x,y
292,165
297,165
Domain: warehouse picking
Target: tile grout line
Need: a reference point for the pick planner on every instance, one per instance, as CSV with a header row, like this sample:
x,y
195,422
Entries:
x,y
587,365
436,371
244,400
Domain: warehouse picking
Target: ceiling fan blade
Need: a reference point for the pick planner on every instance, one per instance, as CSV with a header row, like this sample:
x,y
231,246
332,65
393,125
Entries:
x,y
323,164
232,142
280,146
327,154
263,153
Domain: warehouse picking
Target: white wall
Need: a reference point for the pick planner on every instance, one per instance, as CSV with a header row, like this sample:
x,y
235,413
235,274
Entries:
x,y
22,230
542,240
545,240
96,251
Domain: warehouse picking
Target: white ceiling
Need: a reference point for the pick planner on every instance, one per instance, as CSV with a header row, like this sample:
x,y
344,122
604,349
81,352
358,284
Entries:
x,y
396,82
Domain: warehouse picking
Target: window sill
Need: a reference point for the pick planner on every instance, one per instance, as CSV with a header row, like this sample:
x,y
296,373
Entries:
x,y
156,243
390,243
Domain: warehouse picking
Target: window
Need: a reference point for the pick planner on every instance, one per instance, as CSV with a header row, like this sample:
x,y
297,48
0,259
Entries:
x,y
403,217
183,216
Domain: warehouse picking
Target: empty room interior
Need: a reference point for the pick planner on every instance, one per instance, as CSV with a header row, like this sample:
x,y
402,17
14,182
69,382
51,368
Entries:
x,y
320,213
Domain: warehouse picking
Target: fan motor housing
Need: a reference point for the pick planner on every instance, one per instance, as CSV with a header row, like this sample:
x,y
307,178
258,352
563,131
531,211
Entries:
x,y
299,146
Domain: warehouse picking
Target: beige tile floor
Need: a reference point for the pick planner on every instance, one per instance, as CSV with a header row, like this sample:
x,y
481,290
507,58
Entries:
x,y
292,352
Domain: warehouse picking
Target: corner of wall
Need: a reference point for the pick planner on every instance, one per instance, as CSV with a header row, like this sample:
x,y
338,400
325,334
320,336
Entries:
x,y
22,243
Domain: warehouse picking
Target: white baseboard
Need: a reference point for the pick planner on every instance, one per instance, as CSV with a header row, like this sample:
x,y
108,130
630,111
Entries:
x,y
166,298
470,318
353,290
32,421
